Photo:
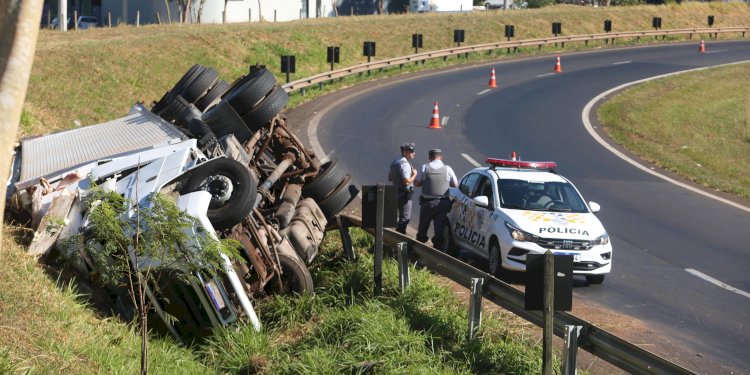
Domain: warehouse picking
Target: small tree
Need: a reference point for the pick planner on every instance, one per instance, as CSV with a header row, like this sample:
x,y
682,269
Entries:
x,y
129,247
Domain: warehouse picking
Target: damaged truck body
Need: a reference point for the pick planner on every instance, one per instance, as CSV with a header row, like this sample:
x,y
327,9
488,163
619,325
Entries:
x,y
227,158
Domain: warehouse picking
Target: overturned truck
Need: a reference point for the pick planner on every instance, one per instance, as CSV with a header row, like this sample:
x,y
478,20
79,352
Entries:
x,y
228,158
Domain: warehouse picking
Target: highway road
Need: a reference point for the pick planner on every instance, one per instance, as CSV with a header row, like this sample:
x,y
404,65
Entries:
x,y
669,242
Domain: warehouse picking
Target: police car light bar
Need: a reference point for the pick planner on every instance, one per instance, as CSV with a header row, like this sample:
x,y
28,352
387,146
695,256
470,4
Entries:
x,y
521,164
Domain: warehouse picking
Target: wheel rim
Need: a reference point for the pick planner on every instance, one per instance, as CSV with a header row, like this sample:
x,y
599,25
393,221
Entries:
x,y
220,187
494,258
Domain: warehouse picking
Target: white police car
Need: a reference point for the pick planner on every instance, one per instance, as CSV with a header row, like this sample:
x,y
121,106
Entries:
x,y
513,208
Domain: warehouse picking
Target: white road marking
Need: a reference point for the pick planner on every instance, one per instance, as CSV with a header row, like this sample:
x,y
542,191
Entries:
x,y
717,282
717,51
621,62
444,122
471,160
484,91
585,114
545,75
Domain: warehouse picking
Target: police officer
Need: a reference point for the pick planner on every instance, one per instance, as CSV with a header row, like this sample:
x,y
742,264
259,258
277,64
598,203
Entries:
x,y
435,179
402,174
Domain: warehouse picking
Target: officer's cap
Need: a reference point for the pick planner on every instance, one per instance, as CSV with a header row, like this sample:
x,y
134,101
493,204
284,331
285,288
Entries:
x,y
407,147
436,151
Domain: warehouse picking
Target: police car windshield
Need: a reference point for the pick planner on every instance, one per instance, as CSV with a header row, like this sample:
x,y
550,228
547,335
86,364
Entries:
x,y
540,196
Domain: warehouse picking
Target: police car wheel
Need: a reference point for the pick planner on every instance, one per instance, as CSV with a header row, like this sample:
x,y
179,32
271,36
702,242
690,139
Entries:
x,y
449,247
595,279
494,257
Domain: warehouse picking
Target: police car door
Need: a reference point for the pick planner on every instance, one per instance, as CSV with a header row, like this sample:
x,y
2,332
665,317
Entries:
x,y
470,229
463,207
483,215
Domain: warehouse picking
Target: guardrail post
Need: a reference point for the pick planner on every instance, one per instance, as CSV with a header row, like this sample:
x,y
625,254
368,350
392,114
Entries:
x,y
571,350
475,306
346,238
402,249
548,312
378,263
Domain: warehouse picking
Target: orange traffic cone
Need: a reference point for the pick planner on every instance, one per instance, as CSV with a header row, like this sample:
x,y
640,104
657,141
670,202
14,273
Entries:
x,y
493,82
513,156
702,48
558,68
435,122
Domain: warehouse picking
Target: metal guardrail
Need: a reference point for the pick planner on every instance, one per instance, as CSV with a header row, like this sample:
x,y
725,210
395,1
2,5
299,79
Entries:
x,y
444,53
595,340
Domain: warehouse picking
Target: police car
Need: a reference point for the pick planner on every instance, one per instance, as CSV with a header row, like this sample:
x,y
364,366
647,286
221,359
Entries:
x,y
513,208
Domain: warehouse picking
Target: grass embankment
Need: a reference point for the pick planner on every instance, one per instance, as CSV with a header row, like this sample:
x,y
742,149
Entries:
x,y
95,75
695,124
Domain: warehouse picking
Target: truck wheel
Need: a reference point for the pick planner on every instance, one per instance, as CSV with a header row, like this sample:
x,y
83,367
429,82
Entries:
x,y
295,276
595,279
494,258
339,198
266,110
200,85
223,120
169,96
449,247
219,88
232,189
327,179
250,90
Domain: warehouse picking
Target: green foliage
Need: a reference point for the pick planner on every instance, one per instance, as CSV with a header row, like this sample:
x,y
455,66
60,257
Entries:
x,y
625,2
539,3
155,233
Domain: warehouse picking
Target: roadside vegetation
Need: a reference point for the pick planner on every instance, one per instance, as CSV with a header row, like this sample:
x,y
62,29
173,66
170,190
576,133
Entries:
x,y
699,127
49,323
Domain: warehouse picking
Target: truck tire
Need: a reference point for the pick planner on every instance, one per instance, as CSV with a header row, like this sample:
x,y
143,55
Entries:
x,y
232,189
186,78
339,198
327,179
212,96
295,277
200,85
251,90
223,120
266,110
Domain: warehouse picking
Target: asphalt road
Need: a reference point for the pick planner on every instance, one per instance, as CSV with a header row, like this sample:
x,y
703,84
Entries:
x,y
658,230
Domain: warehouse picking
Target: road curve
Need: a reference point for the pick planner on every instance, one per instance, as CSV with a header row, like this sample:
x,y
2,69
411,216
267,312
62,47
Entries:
x,y
680,258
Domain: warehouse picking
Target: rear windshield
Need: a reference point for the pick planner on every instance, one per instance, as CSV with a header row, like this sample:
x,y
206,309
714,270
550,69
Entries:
x,y
540,196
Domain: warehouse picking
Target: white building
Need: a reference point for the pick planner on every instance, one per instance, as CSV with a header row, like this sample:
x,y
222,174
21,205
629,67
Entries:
x,y
213,11
440,5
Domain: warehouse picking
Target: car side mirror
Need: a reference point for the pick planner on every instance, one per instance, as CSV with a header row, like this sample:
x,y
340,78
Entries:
x,y
482,201
595,207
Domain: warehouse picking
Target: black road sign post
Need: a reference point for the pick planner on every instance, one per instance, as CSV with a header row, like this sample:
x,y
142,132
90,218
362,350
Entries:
x,y
287,65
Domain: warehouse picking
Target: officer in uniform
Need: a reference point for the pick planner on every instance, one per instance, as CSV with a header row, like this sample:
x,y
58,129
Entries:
x,y
435,179
402,175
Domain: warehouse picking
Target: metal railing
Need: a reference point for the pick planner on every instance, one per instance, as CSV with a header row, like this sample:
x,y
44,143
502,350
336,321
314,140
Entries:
x,y
593,339
444,53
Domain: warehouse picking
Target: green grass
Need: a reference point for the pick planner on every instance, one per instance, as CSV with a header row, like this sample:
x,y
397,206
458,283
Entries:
x,y
699,127
344,328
